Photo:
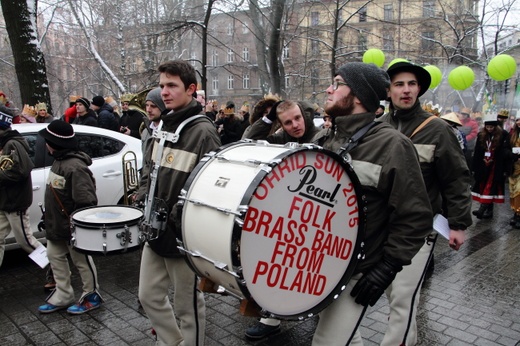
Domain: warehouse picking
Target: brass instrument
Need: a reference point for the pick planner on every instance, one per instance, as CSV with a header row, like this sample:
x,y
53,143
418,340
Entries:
x,y
6,163
138,101
130,174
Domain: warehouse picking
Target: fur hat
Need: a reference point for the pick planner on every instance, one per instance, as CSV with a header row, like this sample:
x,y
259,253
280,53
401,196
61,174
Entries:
x,y
41,107
59,135
367,81
6,117
84,102
155,96
423,76
98,101
452,118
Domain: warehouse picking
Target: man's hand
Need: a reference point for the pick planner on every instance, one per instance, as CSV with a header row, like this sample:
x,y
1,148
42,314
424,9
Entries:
x,y
371,286
456,238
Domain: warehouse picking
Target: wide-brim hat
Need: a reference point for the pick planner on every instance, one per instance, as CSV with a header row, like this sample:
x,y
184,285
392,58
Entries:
x,y
423,76
59,134
452,117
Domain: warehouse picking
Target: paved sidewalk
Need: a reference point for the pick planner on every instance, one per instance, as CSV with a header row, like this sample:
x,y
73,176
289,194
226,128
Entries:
x,y
473,298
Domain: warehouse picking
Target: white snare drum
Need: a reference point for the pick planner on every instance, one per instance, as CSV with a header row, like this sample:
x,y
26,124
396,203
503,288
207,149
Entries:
x,y
105,229
279,225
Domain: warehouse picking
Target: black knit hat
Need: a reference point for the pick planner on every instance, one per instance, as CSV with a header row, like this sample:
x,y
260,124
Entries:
x,y
423,76
98,101
59,135
367,81
84,101
6,117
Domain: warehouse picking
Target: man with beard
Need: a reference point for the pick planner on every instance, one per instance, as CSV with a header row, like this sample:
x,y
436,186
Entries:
x,y
447,179
398,214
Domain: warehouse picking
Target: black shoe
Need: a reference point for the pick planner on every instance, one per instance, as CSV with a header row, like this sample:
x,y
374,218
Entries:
x,y
488,213
260,331
478,213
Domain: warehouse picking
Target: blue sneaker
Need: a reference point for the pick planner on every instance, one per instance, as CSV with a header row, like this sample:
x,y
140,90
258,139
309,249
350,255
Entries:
x,y
91,302
48,308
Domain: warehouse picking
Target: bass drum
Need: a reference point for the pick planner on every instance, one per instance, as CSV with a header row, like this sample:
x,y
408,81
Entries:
x,y
279,225
109,229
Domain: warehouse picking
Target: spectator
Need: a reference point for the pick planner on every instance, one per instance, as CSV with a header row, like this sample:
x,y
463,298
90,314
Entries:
x,y
42,116
470,129
85,115
514,178
133,116
229,125
261,109
105,113
70,113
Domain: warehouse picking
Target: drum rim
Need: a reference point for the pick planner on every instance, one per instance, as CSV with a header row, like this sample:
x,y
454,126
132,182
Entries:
x,y
349,272
95,225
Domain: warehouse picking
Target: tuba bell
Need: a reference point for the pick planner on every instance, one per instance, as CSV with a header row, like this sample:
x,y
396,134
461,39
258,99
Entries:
x,y
138,101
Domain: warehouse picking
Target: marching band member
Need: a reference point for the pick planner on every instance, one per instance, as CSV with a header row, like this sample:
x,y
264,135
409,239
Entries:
x,y
70,186
447,179
398,215
161,263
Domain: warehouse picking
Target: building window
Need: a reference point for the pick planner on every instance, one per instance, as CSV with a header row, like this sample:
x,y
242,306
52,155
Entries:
x,y
315,18
363,14
245,81
193,59
230,55
315,47
245,28
389,12
429,8
287,80
230,29
427,40
285,52
230,82
214,84
362,42
245,54
214,58
388,42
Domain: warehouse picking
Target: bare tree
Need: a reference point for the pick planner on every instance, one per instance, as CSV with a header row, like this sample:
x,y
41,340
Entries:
x,y
29,62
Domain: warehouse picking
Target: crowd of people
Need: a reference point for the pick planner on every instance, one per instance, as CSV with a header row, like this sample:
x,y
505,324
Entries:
x,y
412,166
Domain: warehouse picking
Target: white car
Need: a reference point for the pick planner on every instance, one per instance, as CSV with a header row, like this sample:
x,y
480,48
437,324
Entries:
x,y
106,148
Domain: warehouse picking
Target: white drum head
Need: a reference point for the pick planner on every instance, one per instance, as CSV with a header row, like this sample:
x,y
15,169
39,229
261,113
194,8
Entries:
x,y
107,215
300,234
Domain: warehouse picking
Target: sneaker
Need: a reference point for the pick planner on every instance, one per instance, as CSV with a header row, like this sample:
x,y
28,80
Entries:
x,y
48,308
90,302
260,331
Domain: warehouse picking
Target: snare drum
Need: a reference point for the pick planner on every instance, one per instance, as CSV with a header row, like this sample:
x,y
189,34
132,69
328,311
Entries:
x,y
276,224
105,229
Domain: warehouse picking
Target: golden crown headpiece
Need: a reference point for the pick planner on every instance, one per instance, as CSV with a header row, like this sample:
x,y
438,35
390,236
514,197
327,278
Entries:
x,y
503,113
29,110
127,97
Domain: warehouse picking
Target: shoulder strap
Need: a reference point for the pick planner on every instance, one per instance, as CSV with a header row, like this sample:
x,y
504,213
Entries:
x,y
63,210
423,124
356,138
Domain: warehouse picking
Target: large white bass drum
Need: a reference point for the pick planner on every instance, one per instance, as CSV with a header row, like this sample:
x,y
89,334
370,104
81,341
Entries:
x,y
277,224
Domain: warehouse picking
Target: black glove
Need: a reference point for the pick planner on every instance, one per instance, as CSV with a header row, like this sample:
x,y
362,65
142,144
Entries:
x,y
272,113
371,286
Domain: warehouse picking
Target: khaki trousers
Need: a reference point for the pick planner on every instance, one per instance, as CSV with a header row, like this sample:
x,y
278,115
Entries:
x,y
403,297
18,223
339,321
156,275
63,295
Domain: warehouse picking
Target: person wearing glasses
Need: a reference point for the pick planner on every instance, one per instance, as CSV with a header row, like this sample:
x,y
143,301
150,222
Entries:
x,y
397,209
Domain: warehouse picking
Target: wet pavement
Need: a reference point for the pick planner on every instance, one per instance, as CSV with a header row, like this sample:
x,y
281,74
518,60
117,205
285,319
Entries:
x,y
473,298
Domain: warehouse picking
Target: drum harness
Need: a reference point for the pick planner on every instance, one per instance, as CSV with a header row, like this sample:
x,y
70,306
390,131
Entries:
x,y
156,209
344,150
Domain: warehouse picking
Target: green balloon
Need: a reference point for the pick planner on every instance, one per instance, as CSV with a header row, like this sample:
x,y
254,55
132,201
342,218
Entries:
x,y
461,78
397,60
435,74
374,56
501,67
